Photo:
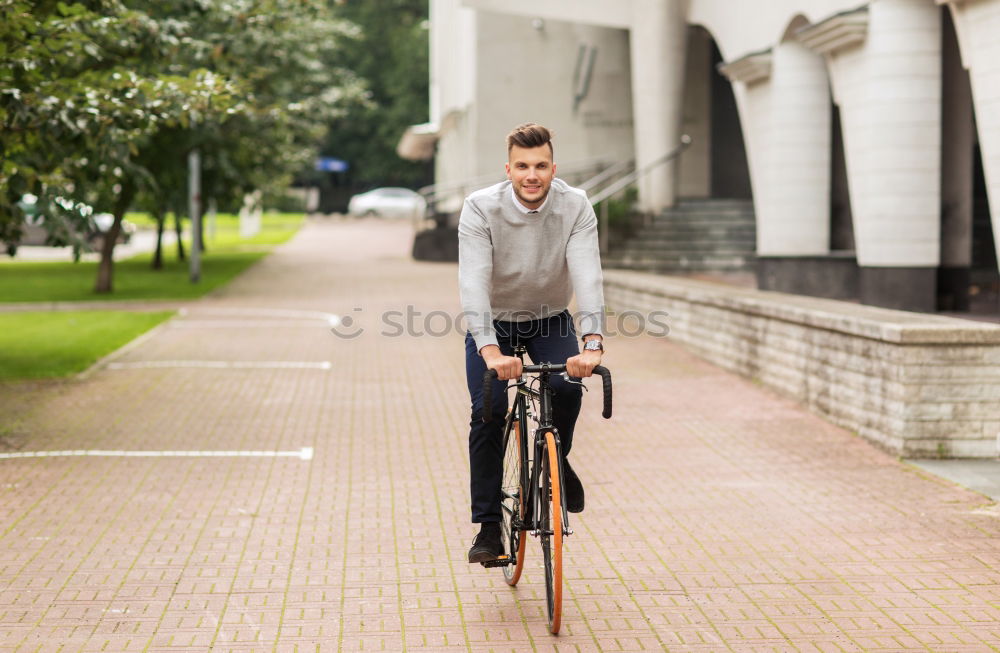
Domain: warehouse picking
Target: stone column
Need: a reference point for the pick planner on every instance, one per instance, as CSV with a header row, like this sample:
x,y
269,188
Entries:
x,y
898,227
790,134
658,46
885,62
795,220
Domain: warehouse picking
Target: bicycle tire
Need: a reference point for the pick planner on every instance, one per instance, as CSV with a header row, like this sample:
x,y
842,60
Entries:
x,y
512,501
551,531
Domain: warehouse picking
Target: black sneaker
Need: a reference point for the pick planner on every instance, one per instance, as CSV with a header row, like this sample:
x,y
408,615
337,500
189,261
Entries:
x,y
487,544
573,487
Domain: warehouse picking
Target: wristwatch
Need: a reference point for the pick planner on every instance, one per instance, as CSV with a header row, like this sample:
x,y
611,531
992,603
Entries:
x,y
593,345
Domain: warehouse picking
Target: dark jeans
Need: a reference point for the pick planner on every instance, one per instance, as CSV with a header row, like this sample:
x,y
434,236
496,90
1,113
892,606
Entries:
x,y
551,340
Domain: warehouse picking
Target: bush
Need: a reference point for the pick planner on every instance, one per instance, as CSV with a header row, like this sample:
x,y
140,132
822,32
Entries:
x,y
622,214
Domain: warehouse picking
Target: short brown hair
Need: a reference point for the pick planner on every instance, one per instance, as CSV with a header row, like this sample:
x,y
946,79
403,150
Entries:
x,y
529,135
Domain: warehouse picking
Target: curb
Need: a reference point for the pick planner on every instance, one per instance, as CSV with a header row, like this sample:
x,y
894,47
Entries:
x,y
124,349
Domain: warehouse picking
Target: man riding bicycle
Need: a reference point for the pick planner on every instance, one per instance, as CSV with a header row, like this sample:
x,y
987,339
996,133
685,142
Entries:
x,y
525,246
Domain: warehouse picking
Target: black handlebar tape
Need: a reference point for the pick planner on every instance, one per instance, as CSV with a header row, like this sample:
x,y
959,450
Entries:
x,y
606,378
488,378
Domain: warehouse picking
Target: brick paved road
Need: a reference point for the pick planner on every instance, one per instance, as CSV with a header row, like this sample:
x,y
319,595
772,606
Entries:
x,y
720,517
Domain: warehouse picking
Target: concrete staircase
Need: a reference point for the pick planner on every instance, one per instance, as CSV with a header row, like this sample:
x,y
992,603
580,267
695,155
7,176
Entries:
x,y
710,235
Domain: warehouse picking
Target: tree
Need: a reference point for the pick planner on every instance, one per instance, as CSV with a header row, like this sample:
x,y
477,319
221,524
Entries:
x,y
116,169
79,99
102,99
284,53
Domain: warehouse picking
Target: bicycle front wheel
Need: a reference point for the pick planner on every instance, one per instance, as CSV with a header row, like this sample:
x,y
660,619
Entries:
x,y
552,531
512,501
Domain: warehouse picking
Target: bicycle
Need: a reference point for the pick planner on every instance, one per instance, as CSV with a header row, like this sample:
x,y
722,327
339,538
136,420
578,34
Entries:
x,y
531,492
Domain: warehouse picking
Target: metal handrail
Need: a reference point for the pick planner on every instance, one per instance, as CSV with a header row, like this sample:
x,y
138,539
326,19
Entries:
x,y
626,181
606,174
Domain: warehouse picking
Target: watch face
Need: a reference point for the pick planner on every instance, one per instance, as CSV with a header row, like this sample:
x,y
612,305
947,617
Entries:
x,y
593,345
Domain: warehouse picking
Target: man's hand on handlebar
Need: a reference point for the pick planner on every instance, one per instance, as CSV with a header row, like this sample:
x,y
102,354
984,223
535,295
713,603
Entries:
x,y
582,365
507,367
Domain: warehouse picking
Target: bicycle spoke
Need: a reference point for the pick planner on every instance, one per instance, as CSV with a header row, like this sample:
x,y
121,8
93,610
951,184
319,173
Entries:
x,y
512,503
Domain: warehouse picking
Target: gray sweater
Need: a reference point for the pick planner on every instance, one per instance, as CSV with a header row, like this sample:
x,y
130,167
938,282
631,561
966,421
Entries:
x,y
516,267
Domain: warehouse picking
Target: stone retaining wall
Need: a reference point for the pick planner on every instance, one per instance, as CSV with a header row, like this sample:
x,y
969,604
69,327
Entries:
x,y
918,385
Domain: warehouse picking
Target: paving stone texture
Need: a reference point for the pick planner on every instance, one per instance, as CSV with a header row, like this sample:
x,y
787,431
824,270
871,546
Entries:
x,y
720,516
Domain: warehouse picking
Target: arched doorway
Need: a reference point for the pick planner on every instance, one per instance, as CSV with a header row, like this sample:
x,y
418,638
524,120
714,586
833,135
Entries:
x,y
967,277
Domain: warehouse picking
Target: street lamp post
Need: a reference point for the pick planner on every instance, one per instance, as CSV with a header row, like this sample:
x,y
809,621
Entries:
x,y
194,207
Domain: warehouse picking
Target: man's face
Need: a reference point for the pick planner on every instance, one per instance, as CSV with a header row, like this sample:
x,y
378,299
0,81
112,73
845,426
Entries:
x,y
530,170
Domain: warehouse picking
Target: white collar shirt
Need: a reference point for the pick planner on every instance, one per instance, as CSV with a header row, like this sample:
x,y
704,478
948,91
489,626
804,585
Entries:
x,y
521,207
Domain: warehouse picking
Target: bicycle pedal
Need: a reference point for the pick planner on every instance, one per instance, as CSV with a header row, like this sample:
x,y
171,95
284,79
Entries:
x,y
502,561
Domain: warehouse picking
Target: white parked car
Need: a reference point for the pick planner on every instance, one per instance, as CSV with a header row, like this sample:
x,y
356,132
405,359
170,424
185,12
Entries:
x,y
389,203
36,233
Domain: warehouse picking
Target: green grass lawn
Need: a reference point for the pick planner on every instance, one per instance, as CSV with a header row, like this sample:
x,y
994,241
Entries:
x,y
226,223
226,256
35,345
52,344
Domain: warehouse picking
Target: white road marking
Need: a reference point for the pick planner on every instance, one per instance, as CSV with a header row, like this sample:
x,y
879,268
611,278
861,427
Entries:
x,y
329,318
243,324
305,453
224,365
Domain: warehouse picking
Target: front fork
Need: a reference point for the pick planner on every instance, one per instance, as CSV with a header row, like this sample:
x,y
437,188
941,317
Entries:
x,y
540,501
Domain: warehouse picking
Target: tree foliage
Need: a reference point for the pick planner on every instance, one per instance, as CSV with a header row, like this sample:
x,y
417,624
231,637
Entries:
x,y
75,106
101,100
286,55
390,53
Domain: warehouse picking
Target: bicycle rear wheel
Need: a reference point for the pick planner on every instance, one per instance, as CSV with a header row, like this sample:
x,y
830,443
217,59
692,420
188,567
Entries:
x,y
512,502
552,531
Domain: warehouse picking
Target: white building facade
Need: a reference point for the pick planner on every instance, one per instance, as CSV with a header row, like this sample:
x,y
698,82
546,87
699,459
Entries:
x,y
867,135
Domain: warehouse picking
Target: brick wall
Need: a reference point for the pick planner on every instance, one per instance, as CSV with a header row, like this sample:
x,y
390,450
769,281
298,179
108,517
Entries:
x,y
918,385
